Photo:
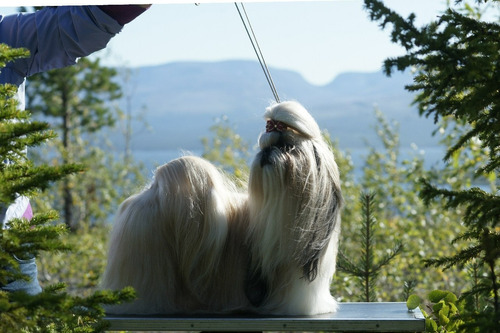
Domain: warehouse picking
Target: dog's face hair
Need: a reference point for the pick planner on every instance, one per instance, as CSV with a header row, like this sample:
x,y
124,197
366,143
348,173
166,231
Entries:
x,y
294,181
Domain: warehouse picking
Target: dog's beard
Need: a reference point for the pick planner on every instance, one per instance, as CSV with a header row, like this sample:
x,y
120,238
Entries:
x,y
292,204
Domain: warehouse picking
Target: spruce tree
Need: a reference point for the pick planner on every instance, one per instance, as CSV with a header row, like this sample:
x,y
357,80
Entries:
x,y
53,310
367,267
456,59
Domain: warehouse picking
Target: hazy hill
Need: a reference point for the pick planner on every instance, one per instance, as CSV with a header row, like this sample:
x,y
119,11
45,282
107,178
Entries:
x,y
183,99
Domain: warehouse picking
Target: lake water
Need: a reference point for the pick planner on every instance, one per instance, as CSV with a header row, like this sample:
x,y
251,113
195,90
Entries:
x,y
153,158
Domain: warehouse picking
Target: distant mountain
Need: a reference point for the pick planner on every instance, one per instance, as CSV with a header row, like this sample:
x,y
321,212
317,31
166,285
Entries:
x,y
182,100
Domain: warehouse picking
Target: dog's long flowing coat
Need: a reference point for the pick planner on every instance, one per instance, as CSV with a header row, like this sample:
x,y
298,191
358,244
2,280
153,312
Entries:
x,y
193,243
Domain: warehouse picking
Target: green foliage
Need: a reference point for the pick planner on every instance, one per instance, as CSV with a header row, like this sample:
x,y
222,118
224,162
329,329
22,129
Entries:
x,y
7,54
456,60
53,310
401,216
80,269
445,312
227,150
413,302
78,98
464,162
97,191
350,187
442,311
19,175
368,268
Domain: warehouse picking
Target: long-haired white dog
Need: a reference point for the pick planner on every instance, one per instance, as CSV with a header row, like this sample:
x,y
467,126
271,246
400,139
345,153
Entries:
x,y
192,242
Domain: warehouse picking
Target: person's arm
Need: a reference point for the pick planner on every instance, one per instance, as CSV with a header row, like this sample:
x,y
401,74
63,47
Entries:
x,y
58,36
124,14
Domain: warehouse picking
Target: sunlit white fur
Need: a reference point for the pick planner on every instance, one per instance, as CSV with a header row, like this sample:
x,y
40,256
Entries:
x,y
193,243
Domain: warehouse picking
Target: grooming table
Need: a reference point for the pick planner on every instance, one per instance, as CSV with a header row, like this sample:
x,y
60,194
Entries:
x,y
351,317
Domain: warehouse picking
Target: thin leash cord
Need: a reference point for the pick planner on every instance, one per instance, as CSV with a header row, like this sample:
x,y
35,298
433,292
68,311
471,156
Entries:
x,y
258,52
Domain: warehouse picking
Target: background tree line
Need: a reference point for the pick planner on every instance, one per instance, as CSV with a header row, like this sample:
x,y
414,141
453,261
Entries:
x,y
427,233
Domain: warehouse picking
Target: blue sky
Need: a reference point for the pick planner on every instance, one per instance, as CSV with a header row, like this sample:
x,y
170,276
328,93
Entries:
x,y
318,39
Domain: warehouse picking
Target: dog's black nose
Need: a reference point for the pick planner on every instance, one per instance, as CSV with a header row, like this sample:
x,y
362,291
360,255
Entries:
x,y
270,155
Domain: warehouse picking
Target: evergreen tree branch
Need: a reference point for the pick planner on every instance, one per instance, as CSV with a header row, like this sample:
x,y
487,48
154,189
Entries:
x,y
53,310
482,208
345,265
460,258
28,180
457,58
365,269
396,250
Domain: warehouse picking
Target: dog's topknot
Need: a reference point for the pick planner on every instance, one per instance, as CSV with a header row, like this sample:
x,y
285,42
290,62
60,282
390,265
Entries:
x,y
294,115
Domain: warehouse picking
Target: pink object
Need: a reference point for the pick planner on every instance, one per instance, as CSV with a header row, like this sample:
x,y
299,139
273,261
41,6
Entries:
x,y
275,125
28,213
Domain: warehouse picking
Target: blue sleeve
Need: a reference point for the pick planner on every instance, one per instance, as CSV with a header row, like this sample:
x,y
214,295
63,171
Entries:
x,y
55,36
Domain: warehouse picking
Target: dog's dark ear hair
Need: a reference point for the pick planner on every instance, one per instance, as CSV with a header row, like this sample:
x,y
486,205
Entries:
x,y
319,240
310,269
